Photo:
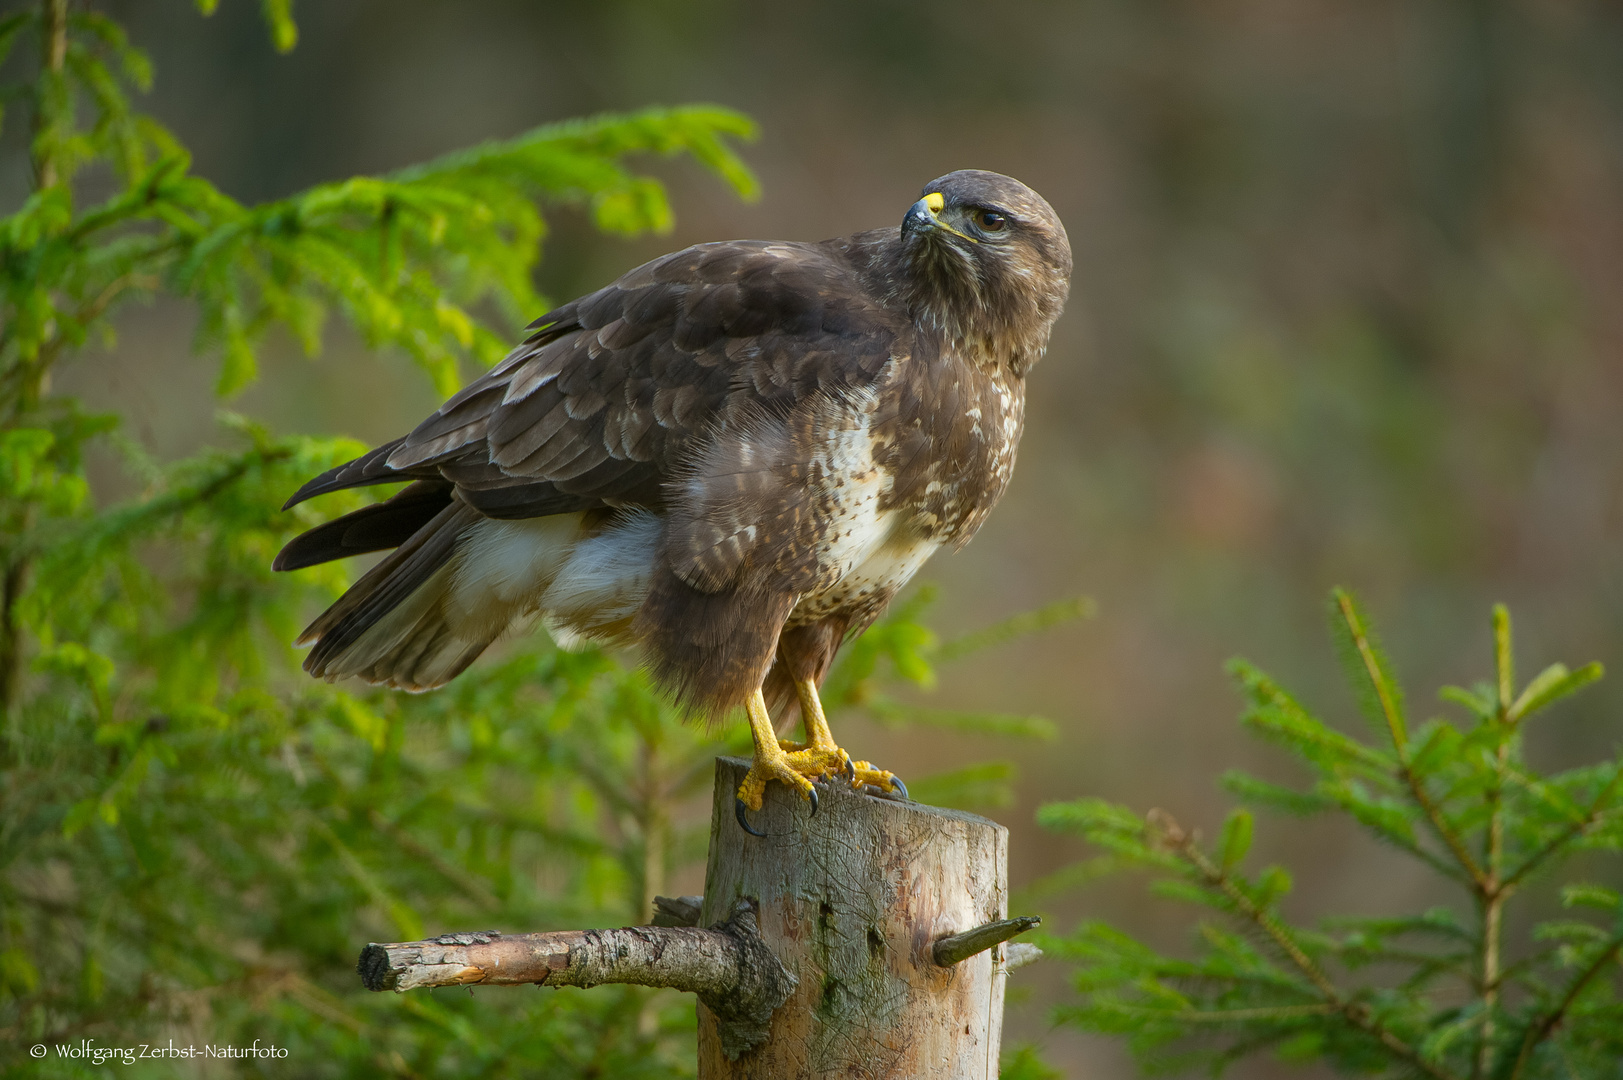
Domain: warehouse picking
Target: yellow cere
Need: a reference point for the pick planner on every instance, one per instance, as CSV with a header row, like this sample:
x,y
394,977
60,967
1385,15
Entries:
x,y
935,201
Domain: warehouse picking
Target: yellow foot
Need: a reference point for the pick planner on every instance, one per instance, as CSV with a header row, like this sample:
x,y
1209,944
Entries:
x,y
798,764
771,763
883,779
814,761
779,766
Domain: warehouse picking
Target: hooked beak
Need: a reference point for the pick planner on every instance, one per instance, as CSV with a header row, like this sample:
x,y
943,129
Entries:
x,y
925,214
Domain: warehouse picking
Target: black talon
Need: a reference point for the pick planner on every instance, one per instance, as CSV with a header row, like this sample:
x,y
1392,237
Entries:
x,y
811,793
897,785
850,771
740,812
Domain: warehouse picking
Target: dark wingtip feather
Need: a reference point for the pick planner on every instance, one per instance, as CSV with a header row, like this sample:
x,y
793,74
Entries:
x,y
371,467
303,493
371,528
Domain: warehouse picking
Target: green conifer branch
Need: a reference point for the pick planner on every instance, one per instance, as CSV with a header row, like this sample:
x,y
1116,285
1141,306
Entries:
x,y
1235,1000
1541,1029
52,110
1400,743
1354,1012
1595,813
1493,893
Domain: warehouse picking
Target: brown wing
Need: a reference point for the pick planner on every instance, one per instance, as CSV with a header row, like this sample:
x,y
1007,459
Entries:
x,y
615,392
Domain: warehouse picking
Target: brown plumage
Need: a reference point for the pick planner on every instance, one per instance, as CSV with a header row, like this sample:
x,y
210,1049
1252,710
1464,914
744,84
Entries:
x,y
733,456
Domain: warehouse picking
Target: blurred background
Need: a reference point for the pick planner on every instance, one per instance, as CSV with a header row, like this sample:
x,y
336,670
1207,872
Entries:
x,y
1340,316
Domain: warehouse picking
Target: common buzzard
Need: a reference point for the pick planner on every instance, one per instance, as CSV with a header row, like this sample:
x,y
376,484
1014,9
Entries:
x,y
733,457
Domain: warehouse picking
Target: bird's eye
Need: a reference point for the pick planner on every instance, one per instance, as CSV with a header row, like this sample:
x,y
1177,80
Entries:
x,y
991,221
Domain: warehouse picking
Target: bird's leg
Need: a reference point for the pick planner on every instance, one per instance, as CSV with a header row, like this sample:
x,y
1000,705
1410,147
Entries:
x,y
819,747
771,762
820,741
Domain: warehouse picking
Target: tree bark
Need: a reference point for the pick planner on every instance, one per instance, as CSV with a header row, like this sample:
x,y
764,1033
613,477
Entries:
x,y
727,966
852,901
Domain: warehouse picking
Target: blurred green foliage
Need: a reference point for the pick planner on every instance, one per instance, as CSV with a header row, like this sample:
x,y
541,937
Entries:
x,y
1445,993
195,839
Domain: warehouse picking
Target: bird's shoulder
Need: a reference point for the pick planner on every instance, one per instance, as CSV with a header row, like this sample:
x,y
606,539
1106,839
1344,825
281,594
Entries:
x,y
795,298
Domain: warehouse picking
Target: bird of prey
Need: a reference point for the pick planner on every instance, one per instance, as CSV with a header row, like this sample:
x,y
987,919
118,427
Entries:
x,y
732,457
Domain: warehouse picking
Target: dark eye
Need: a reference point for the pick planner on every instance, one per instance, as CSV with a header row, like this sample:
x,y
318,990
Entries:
x,y
991,221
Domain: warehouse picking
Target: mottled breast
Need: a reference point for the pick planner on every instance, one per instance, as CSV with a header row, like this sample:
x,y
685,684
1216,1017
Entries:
x,y
931,457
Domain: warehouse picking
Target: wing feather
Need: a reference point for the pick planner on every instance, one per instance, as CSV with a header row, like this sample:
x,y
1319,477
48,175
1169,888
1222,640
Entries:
x,y
527,427
370,468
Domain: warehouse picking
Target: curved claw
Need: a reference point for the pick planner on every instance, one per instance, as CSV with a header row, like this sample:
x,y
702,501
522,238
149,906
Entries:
x,y
886,781
740,811
812,795
850,771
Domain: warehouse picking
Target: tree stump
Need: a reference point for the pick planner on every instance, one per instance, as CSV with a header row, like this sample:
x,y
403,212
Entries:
x,y
867,940
852,901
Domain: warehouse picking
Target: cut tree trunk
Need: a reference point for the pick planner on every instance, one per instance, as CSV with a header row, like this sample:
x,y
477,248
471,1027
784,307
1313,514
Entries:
x,y
866,940
852,901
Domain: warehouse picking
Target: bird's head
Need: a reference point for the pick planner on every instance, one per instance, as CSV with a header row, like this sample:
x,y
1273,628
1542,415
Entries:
x,y
987,262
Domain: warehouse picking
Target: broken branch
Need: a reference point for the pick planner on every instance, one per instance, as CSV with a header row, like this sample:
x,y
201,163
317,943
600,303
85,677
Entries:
x,y
728,966
960,947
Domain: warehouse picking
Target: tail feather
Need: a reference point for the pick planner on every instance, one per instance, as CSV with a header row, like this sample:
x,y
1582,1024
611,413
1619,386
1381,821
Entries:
x,y
414,647
401,596
461,580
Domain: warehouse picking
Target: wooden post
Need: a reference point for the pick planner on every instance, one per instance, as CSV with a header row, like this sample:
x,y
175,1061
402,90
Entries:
x,y
868,940
852,902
